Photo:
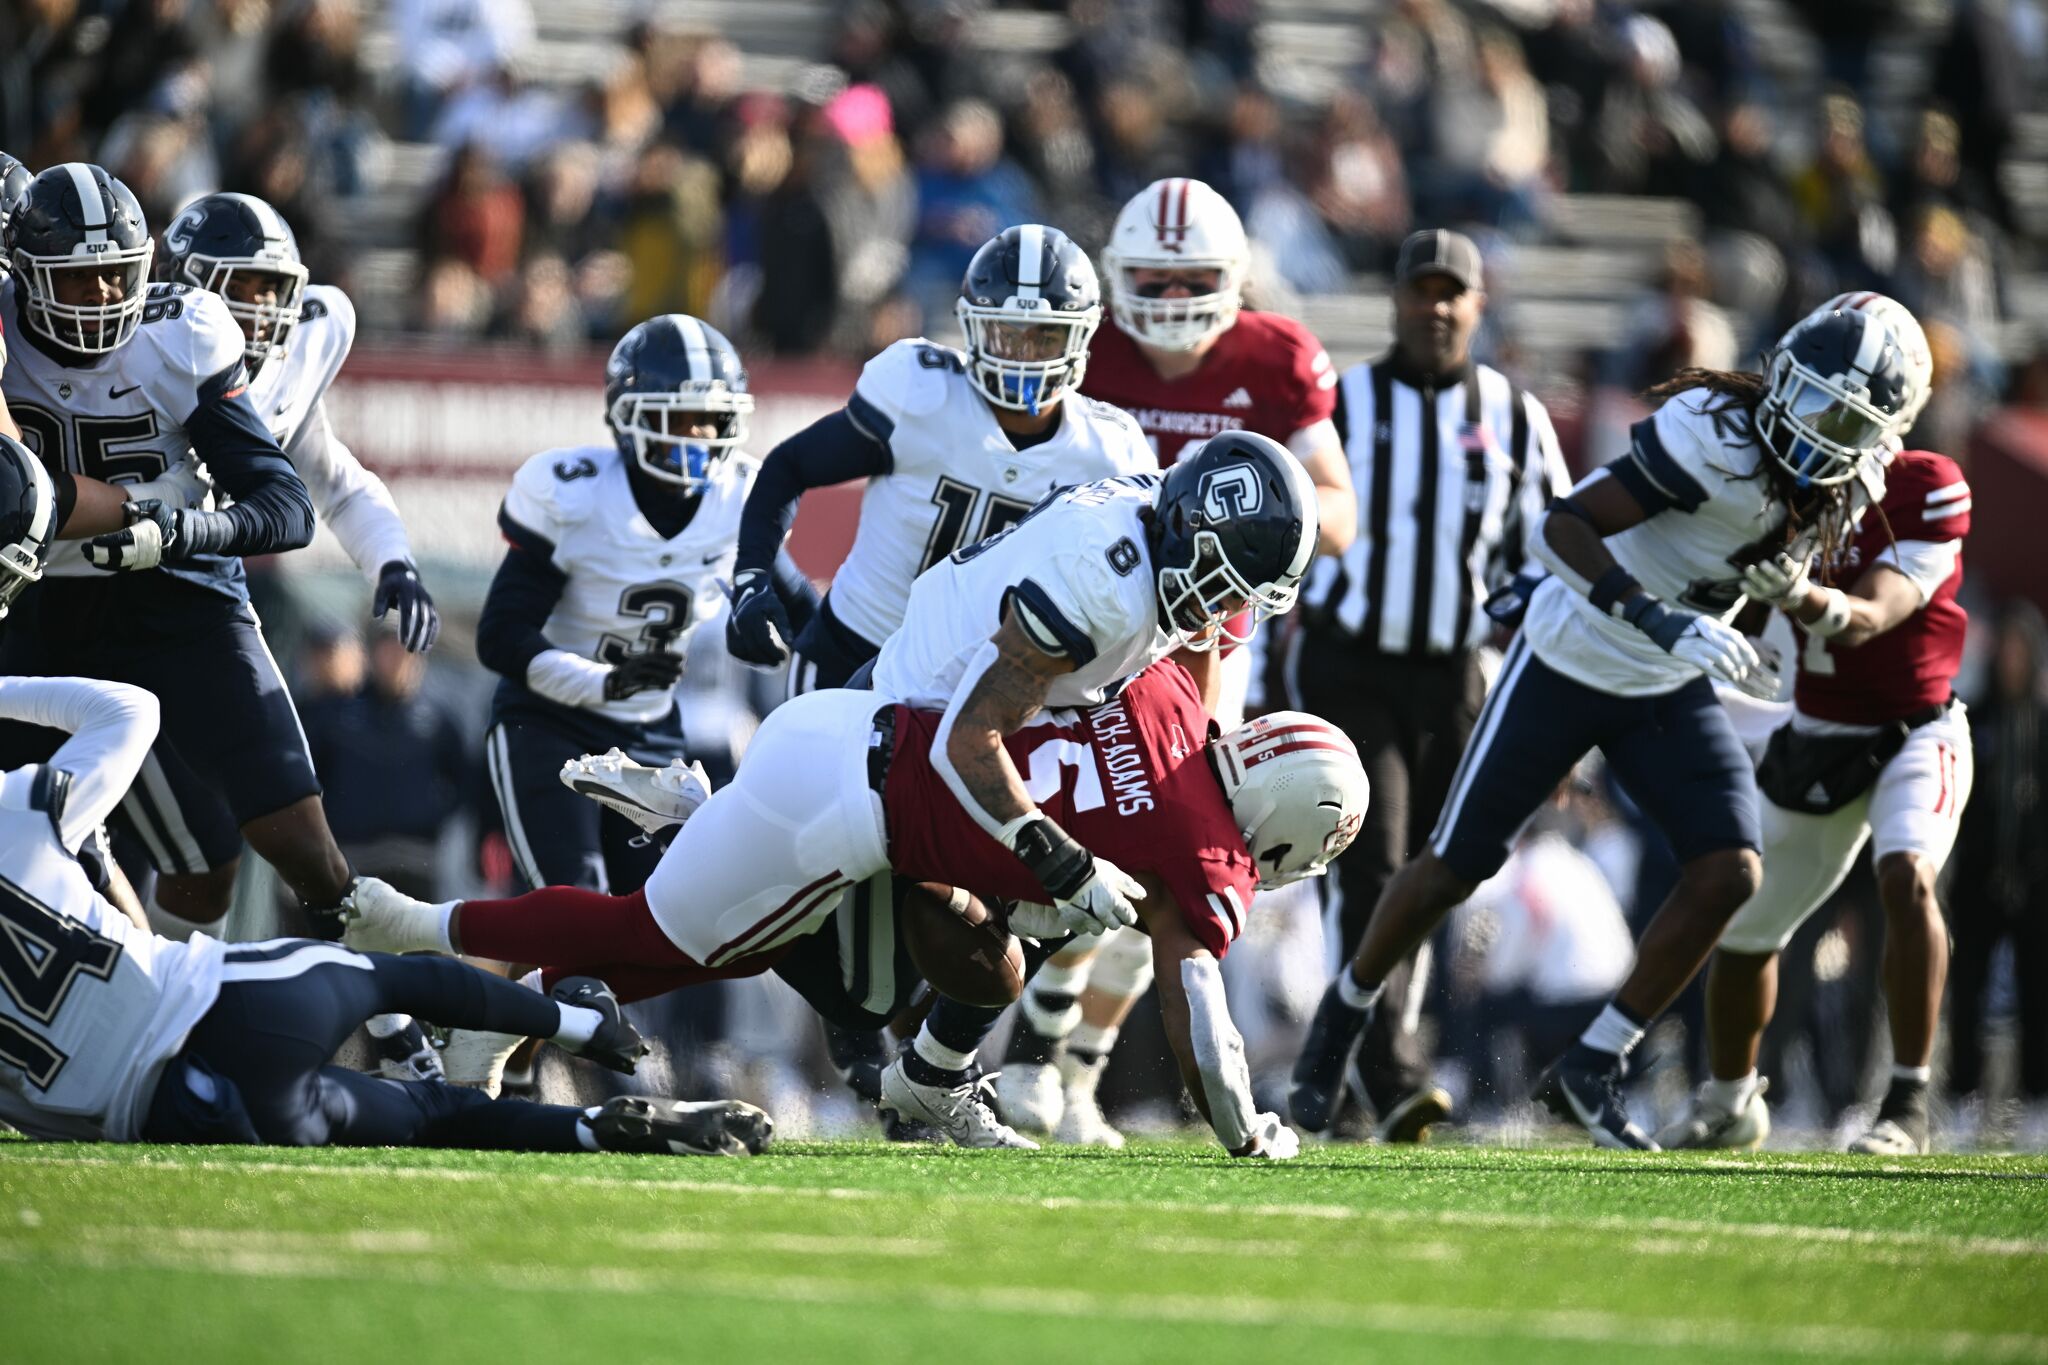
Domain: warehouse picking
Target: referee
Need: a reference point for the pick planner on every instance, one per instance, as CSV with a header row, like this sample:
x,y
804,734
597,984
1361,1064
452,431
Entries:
x,y
1452,464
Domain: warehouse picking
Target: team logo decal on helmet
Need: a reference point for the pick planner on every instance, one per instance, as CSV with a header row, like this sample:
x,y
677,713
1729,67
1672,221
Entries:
x,y
1235,528
1297,791
223,242
664,378
77,219
1028,305
1232,491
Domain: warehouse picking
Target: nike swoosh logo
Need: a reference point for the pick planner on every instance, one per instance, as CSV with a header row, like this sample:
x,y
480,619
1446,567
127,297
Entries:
x,y
714,557
121,393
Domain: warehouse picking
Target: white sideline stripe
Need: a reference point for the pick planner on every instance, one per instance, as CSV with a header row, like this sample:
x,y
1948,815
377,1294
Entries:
x,y
1959,1243
791,1243
1063,1301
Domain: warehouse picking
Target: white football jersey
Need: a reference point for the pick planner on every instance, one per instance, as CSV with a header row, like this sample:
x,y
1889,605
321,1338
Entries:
x,y
629,590
92,1007
122,419
954,477
1683,554
287,393
1080,564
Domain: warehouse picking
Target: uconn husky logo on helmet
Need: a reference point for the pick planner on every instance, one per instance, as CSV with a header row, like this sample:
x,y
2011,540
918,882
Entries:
x,y
1838,389
1235,530
675,396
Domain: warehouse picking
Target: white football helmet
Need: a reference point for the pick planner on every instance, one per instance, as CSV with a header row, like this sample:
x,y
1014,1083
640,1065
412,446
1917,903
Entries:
x,y
1297,790
1913,348
1177,224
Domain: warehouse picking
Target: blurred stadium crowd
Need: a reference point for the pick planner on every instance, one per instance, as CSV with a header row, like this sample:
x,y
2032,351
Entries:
x,y
1655,185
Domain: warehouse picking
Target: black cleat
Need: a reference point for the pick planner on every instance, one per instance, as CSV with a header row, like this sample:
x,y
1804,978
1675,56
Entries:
x,y
407,1055
858,1055
1411,1119
1583,1087
630,1123
1318,1082
617,1045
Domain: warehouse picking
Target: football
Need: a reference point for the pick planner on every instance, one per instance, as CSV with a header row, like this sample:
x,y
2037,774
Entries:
x,y
959,945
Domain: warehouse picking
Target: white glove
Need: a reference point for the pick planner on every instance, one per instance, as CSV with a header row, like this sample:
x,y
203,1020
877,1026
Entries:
x,y
1272,1140
1101,903
184,484
1717,650
1035,920
1763,681
1779,580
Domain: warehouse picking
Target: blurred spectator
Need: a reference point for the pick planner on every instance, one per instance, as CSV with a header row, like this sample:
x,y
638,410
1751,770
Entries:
x,y
1960,397
1492,141
475,217
1360,187
1932,176
454,301
1054,147
445,45
670,232
1977,74
162,152
329,666
2001,869
799,282
1283,223
561,193
148,40
869,201
967,192
1743,190
1650,138
393,767
1945,276
1575,55
1252,156
1841,196
505,116
1421,48
541,310
1674,326
1139,145
696,89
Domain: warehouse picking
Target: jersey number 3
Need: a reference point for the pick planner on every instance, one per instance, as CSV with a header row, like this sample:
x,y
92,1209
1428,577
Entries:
x,y
41,954
666,609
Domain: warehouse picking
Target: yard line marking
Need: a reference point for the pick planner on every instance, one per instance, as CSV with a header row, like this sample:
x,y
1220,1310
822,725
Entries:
x,y
793,1243
1061,1301
1766,1233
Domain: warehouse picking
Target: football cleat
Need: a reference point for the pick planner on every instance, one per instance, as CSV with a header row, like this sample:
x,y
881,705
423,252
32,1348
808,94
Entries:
x,y
1083,1125
1584,1087
1712,1124
1318,1082
1411,1119
1030,1095
378,918
1901,1128
407,1055
959,1113
630,1123
617,1045
476,1058
655,799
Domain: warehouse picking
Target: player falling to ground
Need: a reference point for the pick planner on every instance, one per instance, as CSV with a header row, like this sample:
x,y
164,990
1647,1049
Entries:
x,y
1647,558
1182,357
1877,749
117,381
616,553
109,1033
956,447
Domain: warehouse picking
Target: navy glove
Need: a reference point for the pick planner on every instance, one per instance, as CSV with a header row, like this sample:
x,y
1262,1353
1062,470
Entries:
x,y
757,631
398,585
656,670
1510,602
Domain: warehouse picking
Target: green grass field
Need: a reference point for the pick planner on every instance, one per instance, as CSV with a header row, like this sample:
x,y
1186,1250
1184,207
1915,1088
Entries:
x,y
854,1252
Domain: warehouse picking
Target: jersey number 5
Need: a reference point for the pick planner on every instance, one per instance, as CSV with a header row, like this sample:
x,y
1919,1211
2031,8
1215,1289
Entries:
x,y
41,954
666,609
956,504
96,449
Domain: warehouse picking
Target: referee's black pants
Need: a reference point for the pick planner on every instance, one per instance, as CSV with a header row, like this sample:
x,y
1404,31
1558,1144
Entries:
x,y
1411,719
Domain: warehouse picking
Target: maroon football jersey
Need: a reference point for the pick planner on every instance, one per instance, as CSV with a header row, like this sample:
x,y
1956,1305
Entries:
x,y
1913,665
1129,779
1266,374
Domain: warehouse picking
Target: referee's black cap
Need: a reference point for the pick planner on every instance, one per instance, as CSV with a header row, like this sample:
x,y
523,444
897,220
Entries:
x,y
1439,251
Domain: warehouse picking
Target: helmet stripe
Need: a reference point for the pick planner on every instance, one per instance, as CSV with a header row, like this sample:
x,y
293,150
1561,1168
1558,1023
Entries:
x,y
1310,726
267,217
696,346
1030,260
92,209
1870,346
1252,760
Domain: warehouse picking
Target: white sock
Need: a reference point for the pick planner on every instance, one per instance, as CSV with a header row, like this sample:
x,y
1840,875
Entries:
x,y
385,1025
1922,1074
579,1024
938,1054
585,1135
532,982
442,914
1092,1040
1731,1095
1355,996
1612,1032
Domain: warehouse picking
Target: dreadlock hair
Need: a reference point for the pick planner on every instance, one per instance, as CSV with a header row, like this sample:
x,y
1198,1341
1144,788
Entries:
x,y
1825,510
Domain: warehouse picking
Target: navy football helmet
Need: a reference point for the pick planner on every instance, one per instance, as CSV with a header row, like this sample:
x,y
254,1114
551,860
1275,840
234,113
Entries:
x,y
14,182
28,519
1028,305
662,376
1236,528
1839,388
77,217
222,238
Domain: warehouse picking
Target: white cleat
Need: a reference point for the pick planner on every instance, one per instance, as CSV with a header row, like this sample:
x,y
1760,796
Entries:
x,y
1711,1125
378,918
961,1112
1887,1138
477,1059
655,799
1082,1123
1029,1095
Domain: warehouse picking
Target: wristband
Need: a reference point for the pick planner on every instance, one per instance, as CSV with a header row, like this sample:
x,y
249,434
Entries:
x,y
1834,614
1061,865
1647,613
1610,588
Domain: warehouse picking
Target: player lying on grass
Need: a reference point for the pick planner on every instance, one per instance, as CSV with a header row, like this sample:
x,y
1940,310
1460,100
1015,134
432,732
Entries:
x,y
838,786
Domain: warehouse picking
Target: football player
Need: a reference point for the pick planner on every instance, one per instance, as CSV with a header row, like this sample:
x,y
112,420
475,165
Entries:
x,y
1877,749
839,785
1181,356
116,381
109,1033
1647,559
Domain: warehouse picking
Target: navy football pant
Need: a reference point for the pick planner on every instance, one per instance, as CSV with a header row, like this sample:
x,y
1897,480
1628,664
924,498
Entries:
x,y
256,1067
827,653
1676,753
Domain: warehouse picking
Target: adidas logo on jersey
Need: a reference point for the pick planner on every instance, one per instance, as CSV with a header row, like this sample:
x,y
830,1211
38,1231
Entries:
x,y
1241,399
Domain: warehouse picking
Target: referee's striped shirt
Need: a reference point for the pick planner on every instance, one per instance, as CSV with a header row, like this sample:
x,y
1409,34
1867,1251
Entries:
x,y
1451,471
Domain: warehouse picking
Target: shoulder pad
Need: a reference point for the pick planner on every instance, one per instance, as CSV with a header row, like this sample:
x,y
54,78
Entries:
x,y
552,490
333,310
911,378
191,331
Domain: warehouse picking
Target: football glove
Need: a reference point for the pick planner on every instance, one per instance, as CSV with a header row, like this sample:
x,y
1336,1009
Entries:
x,y
1272,1140
1510,602
656,670
398,585
1779,580
1717,650
1090,894
757,631
182,485
151,537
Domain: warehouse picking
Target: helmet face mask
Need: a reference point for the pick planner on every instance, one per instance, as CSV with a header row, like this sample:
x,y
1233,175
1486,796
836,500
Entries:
x,y
1181,226
267,326
239,247
28,520
1914,353
1028,306
1201,599
73,226
1296,790
667,378
1837,393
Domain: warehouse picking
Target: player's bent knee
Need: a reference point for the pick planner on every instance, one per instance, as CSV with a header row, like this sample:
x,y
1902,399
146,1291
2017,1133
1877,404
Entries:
x,y
1905,883
1721,882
